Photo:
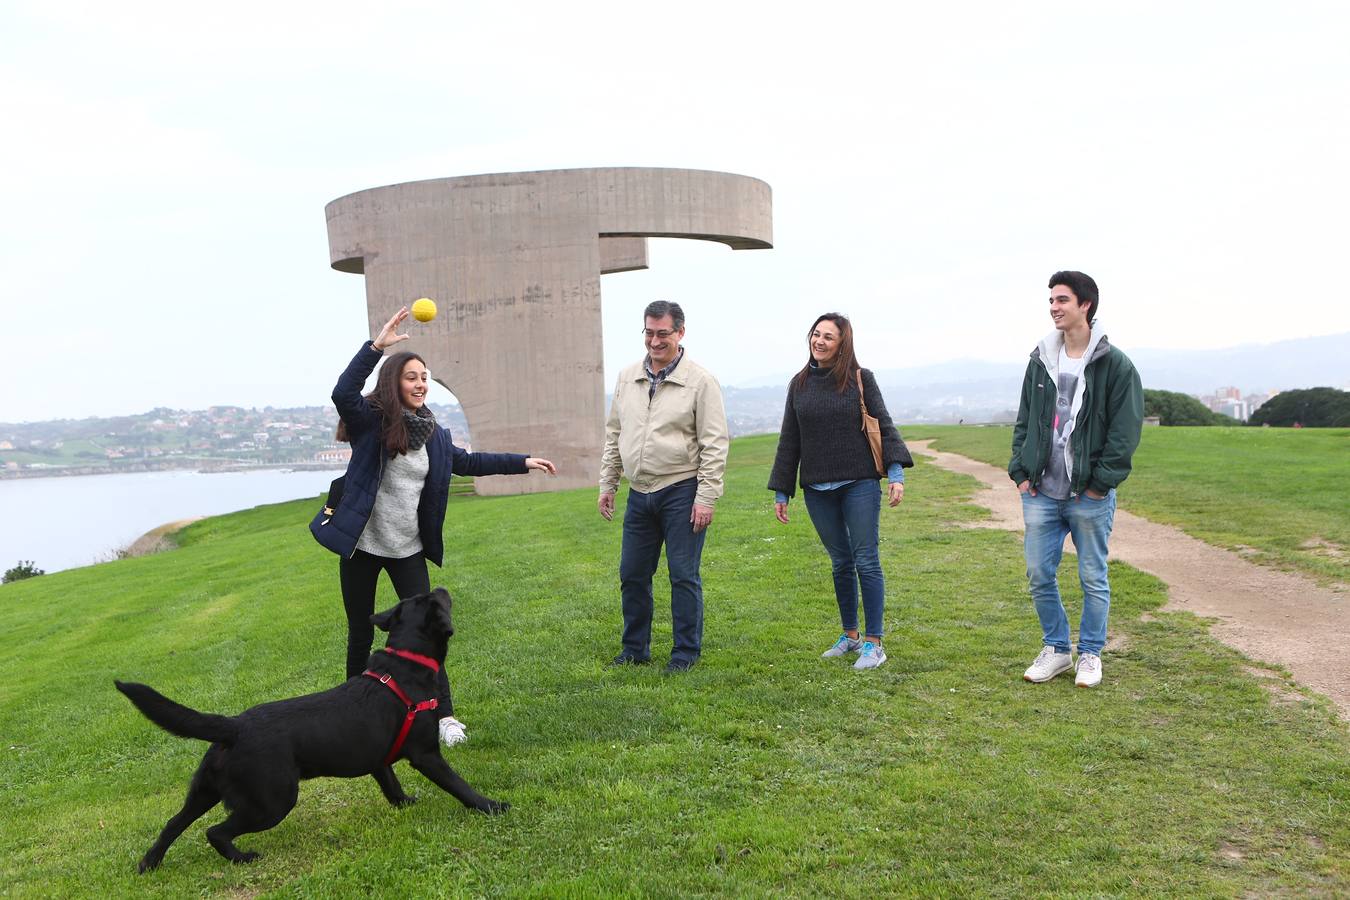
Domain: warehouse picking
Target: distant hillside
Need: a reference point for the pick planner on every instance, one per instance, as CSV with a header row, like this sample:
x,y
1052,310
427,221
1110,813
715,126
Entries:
x,y
1255,368
978,390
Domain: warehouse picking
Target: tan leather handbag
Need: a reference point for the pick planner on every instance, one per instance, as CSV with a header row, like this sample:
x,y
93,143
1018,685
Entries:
x,y
872,427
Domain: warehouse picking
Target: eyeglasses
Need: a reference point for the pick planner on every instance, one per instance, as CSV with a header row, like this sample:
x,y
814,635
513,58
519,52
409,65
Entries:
x,y
662,334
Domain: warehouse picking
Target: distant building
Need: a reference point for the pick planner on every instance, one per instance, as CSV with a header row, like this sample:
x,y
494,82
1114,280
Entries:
x,y
1227,401
336,454
1233,408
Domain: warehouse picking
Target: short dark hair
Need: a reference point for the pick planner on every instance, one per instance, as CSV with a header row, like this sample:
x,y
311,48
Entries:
x,y
1083,287
660,308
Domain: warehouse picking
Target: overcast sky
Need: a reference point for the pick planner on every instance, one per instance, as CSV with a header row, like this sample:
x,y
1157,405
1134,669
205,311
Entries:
x,y
165,168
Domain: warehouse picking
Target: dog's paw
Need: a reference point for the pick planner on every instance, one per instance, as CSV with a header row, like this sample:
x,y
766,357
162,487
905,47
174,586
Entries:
x,y
245,856
494,807
148,864
405,800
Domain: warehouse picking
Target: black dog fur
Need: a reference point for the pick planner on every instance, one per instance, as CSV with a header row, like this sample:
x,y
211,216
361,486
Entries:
x,y
258,758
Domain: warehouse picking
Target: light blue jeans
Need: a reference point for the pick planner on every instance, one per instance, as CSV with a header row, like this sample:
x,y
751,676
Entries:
x,y
1089,521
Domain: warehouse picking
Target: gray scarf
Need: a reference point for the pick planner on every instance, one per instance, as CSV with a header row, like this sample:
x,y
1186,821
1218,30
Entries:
x,y
420,425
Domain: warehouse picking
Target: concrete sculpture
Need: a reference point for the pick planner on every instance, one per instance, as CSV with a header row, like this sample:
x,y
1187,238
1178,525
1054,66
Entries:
x,y
514,263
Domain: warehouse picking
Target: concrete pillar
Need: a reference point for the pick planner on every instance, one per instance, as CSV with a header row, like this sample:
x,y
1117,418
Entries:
x,y
513,262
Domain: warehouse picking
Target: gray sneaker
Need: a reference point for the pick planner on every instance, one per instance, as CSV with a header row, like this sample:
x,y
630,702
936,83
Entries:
x,y
1047,665
871,656
845,644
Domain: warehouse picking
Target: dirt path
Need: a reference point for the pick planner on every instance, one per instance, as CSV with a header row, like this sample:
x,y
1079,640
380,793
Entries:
x,y
1273,616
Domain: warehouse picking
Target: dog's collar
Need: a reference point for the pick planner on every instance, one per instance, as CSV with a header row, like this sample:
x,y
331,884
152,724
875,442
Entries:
x,y
414,657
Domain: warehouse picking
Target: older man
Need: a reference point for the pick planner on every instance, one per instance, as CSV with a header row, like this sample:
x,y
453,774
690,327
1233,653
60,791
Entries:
x,y
667,431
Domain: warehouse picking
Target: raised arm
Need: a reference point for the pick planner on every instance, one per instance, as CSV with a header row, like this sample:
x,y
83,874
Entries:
x,y
389,335
352,407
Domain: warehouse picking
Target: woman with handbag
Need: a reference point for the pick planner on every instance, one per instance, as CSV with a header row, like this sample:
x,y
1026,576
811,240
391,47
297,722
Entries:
x,y
841,456
390,510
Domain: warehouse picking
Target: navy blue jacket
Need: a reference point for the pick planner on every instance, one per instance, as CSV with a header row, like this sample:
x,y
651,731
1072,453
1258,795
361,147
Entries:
x,y
342,530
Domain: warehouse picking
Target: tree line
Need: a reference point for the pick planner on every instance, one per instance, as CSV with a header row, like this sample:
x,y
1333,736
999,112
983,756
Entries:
x,y
1320,407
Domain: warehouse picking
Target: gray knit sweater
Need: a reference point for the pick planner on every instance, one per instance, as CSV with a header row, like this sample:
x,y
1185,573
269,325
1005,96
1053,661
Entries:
x,y
391,530
822,434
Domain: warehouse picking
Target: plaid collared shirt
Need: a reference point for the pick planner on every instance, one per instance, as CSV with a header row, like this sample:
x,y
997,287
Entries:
x,y
657,377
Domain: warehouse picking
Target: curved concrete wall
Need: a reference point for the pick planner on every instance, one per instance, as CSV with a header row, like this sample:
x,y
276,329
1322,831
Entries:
x,y
513,262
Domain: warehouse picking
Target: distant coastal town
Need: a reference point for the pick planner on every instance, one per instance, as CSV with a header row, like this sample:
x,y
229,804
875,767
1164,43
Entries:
x,y
219,438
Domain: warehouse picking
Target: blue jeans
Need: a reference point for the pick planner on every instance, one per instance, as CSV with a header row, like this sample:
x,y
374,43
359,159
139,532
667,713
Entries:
x,y
848,520
1089,521
648,521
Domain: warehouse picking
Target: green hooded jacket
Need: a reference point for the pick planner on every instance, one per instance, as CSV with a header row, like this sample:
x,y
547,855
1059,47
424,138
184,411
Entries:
x,y
1106,427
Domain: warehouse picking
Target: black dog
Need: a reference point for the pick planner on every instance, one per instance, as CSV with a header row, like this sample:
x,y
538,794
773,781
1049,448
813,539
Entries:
x,y
258,758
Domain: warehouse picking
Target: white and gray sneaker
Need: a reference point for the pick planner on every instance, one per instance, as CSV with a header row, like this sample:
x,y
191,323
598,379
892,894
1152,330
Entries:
x,y
1089,670
870,657
845,644
1047,665
452,731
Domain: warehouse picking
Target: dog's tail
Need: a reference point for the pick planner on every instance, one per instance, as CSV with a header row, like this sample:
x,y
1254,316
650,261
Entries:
x,y
176,718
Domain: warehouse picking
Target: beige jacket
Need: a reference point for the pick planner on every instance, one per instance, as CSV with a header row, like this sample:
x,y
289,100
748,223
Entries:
x,y
680,433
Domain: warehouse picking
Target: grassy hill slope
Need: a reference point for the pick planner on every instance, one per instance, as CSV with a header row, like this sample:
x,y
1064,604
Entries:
x,y
764,771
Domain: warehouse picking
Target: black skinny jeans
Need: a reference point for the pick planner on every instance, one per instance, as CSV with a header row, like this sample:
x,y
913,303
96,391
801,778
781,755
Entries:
x,y
358,576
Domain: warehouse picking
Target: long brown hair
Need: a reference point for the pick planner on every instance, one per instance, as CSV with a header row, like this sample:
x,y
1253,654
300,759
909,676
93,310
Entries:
x,y
385,398
845,363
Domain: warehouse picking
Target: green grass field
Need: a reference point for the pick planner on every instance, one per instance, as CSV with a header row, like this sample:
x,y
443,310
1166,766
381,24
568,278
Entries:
x,y
1278,496
765,771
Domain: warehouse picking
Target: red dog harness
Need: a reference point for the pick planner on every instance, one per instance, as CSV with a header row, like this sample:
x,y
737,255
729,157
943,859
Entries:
x,y
413,708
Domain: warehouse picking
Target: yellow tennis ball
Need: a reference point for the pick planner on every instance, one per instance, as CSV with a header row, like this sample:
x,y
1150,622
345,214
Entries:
x,y
424,310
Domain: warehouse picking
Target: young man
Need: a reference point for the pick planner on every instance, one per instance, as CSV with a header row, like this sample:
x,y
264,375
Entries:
x,y
1078,423
667,431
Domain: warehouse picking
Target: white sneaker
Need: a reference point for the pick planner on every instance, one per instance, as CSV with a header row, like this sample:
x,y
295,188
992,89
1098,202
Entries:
x,y
1047,665
452,731
871,656
1089,670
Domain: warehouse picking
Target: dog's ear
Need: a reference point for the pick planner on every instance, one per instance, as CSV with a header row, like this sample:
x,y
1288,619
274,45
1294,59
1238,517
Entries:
x,y
440,598
385,620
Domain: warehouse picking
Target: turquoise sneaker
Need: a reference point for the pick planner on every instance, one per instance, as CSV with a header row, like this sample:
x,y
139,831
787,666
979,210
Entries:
x,y
845,644
872,656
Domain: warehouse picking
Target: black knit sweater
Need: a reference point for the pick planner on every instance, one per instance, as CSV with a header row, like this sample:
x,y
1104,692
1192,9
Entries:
x,y
822,433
